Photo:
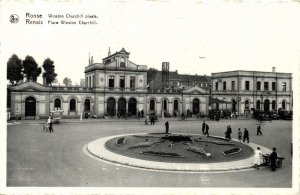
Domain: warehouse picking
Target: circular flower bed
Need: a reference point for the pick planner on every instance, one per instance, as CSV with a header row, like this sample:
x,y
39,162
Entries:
x,y
185,148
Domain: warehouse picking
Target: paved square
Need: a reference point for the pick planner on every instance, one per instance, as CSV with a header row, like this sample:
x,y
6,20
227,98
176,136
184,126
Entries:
x,y
37,158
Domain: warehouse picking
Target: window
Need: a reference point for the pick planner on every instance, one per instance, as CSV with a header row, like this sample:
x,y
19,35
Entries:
x,y
57,104
273,86
258,85
122,62
176,105
132,82
224,85
284,86
72,105
232,85
246,105
247,85
258,105
152,105
266,86
90,82
111,81
93,81
217,86
122,82
283,105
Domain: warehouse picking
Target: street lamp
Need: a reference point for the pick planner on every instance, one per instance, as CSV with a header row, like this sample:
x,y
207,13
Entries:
x,y
81,109
182,100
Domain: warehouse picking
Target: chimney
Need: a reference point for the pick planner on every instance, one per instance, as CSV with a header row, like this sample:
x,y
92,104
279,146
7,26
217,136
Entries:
x,y
273,69
109,53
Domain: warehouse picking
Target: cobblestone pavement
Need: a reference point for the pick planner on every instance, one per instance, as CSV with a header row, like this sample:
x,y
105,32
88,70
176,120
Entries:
x,y
38,158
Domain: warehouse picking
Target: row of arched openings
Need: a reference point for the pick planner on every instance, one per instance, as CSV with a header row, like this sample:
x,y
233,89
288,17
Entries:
x,y
30,105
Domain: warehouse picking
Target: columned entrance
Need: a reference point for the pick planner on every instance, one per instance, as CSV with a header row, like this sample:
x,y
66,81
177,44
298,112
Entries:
x,y
122,106
30,106
196,104
132,106
111,106
267,105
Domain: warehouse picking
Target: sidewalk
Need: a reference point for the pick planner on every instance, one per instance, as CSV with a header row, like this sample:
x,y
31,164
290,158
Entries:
x,y
113,119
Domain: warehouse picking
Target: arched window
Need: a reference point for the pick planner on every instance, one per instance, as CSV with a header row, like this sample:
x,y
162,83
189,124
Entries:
x,y
175,105
72,105
152,105
246,105
57,104
283,105
257,105
87,105
273,105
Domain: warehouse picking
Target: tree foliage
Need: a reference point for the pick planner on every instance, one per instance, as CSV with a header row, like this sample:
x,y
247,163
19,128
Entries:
x,y
31,69
49,71
151,73
67,81
14,69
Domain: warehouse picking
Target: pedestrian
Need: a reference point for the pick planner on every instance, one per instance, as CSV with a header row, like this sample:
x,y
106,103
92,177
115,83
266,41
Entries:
x,y
229,132
273,159
167,127
142,113
49,121
203,127
239,135
259,130
206,130
257,158
246,135
147,119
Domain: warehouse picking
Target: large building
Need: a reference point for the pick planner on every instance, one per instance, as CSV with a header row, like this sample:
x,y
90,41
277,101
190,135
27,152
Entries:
x,y
246,91
117,85
177,81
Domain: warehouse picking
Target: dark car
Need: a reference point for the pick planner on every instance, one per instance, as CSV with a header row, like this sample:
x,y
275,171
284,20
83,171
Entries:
x,y
285,115
274,116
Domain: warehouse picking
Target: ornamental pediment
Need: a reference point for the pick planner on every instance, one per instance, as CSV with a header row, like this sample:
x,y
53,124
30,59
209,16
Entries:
x,y
29,86
195,90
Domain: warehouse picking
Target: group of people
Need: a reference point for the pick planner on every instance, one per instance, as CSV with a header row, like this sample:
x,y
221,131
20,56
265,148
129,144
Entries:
x,y
258,158
150,118
241,137
49,124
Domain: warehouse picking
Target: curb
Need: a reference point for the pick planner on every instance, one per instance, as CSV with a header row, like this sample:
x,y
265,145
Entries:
x,y
98,150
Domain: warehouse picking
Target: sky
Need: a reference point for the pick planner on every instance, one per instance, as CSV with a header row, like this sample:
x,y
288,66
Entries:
x,y
196,37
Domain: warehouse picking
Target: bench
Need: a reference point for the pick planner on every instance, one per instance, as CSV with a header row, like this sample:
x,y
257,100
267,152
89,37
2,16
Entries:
x,y
266,160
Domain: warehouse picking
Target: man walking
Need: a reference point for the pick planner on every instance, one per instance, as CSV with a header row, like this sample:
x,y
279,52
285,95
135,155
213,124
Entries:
x,y
259,130
206,130
167,127
246,135
273,159
203,127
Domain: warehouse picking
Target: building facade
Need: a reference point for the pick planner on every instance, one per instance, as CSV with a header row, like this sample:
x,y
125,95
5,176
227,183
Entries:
x,y
252,90
115,87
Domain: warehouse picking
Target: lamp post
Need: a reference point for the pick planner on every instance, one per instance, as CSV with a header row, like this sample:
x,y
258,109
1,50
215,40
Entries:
x,y
182,100
163,106
81,109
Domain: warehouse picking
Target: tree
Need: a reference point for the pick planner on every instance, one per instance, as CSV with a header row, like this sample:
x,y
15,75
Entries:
x,y
67,81
14,69
31,69
151,73
49,71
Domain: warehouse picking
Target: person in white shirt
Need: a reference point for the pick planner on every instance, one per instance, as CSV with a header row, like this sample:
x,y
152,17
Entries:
x,y
257,158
